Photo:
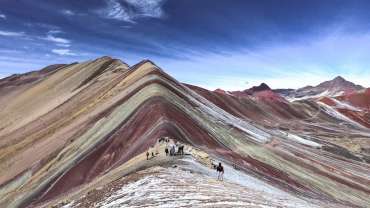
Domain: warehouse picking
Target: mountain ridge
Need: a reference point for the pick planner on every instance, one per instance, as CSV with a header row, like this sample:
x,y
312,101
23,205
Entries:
x,y
332,88
88,132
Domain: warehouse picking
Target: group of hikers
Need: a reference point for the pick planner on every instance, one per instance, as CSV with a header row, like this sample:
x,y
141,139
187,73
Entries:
x,y
170,150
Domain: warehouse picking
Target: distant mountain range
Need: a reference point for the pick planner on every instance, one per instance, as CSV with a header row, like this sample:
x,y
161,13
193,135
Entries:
x,y
336,87
332,88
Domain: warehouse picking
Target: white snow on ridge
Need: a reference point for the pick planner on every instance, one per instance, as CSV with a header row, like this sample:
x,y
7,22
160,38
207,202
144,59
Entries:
x,y
238,177
303,141
235,176
344,105
332,112
211,109
298,139
194,185
326,93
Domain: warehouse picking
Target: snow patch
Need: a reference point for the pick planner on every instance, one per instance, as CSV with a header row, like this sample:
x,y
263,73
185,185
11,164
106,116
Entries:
x,y
332,112
222,116
194,185
303,141
344,105
326,93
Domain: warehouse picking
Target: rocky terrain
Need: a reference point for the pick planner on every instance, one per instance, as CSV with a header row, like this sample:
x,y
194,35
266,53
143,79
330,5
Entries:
x,y
336,87
76,136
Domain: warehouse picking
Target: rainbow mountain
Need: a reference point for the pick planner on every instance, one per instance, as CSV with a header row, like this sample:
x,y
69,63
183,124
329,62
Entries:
x,y
75,135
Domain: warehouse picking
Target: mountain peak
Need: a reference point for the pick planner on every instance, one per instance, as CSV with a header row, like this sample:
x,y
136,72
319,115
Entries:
x,y
219,90
339,78
339,83
146,62
332,88
109,61
261,87
264,86
103,58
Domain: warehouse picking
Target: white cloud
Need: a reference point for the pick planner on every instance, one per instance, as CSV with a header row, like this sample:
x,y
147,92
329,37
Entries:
x,y
126,26
115,10
148,8
3,16
288,65
52,38
132,9
41,25
55,32
68,12
11,63
60,42
21,63
11,34
63,52
64,45
8,51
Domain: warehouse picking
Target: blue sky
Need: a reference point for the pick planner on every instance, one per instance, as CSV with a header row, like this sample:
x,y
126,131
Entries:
x,y
211,43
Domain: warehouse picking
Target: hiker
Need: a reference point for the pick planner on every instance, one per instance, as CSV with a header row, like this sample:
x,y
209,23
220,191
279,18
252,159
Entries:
x,y
172,150
181,150
220,170
166,151
161,140
152,154
147,155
